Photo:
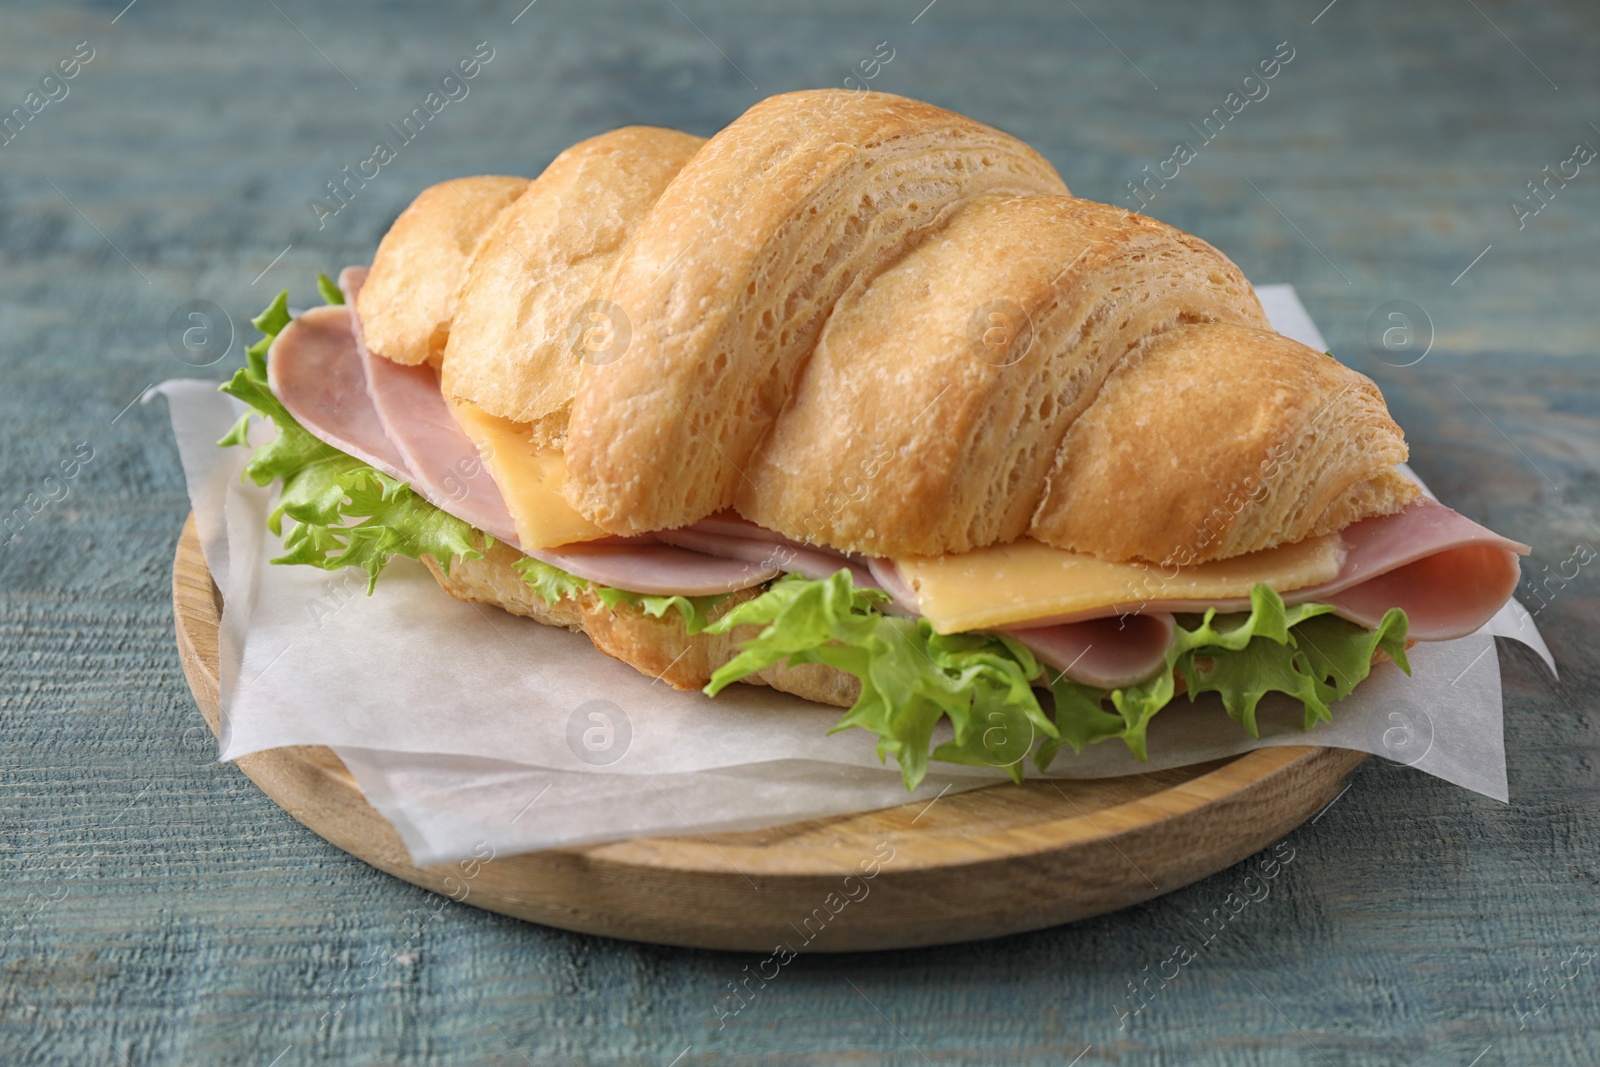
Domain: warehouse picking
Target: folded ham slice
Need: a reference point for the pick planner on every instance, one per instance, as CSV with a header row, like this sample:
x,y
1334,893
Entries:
x,y
313,370
1108,652
902,598
729,536
1446,572
644,566
444,463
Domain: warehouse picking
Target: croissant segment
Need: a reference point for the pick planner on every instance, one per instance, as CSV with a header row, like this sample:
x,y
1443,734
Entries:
x,y
409,298
549,254
864,321
765,228
1219,440
972,431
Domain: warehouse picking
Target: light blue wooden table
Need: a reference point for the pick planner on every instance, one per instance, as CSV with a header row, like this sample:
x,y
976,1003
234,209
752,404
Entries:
x,y
156,909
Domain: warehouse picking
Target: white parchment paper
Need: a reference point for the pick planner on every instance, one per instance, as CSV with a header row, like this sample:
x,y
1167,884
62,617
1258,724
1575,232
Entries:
x,y
471,729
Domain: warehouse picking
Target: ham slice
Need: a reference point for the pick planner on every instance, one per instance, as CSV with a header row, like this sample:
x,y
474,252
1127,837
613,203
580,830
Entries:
x,y
903,599
656,569
314,371
1107,653
1446,572
395,418
732,537
444,463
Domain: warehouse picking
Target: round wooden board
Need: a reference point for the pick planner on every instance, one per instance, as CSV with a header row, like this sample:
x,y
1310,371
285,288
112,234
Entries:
x,y
993,861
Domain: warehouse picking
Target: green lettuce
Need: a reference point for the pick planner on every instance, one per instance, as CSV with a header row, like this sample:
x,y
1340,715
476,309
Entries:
x,y
329,291
550,584
911,677
324,488
1302,651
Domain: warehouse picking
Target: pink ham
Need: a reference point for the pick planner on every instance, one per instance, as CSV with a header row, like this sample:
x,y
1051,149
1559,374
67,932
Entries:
x,y
656,569
314,371
734,538
1446,572
444,463
903,599
1107,653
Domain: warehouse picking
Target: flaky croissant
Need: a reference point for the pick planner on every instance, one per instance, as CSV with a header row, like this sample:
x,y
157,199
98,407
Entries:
x,y
863,321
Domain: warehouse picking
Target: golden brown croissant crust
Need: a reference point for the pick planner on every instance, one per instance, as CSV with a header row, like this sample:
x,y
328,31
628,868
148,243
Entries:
x,y
661,648
868,322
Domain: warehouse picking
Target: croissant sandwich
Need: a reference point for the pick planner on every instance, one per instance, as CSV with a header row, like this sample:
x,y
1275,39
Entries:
x,y
856,401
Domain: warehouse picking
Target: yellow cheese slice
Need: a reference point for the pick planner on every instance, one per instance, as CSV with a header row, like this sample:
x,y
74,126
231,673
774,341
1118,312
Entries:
x,y
1025,580
529,478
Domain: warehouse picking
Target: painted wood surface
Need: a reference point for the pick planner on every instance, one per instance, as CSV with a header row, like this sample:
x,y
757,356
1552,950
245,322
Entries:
x,y
155,908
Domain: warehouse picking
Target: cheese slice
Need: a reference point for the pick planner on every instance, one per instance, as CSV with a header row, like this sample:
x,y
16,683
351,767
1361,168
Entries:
x,y
1025,580
529,477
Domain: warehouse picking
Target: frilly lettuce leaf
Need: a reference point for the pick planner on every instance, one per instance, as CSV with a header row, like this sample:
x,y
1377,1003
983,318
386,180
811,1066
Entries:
x,y
910,676
329,291
1302,651
550,584
984,684
324,488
